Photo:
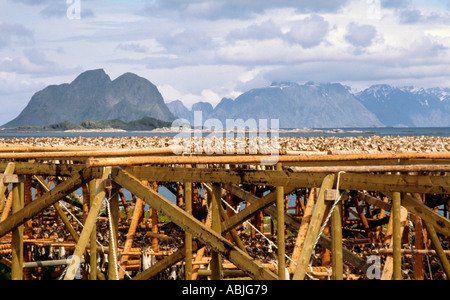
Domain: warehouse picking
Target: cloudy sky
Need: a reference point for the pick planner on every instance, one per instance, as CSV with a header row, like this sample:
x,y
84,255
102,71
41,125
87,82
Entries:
x,y
203,50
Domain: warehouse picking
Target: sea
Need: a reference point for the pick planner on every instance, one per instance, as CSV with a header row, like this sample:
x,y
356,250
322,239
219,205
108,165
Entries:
x,y
304,132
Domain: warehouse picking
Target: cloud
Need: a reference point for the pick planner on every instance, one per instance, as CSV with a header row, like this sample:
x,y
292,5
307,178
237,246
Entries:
x,y
133,47
308,32
33,62
395,3
265,30
186,42
410,16
14,33
237,9
360,36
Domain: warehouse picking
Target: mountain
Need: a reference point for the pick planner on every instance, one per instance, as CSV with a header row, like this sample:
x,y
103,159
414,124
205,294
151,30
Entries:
x,y
296,106
93,96
408,106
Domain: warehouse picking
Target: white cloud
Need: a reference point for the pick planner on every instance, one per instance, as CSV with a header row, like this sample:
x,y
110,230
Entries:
x,y
308,32
360,35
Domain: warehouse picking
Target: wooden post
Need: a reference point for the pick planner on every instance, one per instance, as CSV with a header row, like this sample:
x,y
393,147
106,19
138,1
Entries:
x,y
280,229
336,245
216,264
155,241
188,235
313,230
397,236
138,208
93,238
114,223
17,235
419,244
88,226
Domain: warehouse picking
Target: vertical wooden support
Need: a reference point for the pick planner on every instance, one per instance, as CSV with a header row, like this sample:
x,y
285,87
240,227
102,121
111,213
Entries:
x,y
17,235
155,241
216,264
419,245
280,229
313,230
88,226
397,236
180,194
138,208
188,235
93,238
113,245
336,243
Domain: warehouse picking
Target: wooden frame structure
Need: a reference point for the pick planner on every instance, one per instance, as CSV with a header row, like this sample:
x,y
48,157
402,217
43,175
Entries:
x,y
336,186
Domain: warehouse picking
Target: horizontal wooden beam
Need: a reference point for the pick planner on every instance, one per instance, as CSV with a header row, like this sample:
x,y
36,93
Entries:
x,y
192,225
45,169
351,181
259,159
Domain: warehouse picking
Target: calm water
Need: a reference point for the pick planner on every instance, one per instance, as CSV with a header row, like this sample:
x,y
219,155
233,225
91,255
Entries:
x,y
329,132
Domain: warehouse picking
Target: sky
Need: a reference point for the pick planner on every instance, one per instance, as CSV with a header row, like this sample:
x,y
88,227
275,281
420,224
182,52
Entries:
x,y
204,50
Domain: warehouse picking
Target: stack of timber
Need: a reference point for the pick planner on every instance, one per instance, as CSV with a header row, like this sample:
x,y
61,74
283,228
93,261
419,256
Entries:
x,y
78,211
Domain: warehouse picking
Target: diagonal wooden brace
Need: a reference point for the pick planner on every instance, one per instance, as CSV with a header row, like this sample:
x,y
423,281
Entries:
x,y
192,225
47,200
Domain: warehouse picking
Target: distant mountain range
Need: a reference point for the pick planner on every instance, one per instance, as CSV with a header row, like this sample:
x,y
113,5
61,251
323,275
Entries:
x,y
408,106
331,106
130,102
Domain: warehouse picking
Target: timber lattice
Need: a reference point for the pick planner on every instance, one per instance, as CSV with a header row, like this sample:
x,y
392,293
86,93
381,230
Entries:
x,y
52,206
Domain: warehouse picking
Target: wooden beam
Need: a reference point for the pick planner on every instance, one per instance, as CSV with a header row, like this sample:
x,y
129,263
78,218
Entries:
x,y
188,223
188,236
45,201
336,245
216,259
258,159
281,229
313,230
17,235
350,181
440,223
397,235
436,244
165,263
